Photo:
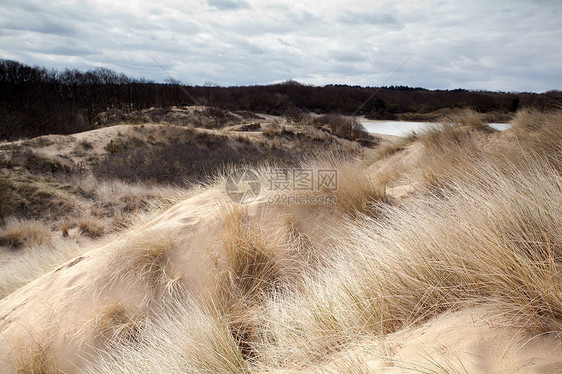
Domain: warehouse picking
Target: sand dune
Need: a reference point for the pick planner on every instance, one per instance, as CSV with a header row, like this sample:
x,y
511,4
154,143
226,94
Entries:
x,y
451,266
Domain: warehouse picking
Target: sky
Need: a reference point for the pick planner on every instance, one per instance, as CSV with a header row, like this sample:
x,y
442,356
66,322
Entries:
x,y
479,45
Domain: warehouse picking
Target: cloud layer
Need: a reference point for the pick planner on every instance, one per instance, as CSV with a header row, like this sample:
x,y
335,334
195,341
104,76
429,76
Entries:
x,y
501,45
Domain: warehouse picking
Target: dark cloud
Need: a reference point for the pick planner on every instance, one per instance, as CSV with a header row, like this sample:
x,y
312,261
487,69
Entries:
x,y
370,18
228,4
347,56
44,26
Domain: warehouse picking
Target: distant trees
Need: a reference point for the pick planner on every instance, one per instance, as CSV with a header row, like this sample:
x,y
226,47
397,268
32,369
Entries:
x,y
36,101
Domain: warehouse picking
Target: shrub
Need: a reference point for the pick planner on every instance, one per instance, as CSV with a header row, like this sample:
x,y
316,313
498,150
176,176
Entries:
x,y
194,158
345,127
294,115
43,163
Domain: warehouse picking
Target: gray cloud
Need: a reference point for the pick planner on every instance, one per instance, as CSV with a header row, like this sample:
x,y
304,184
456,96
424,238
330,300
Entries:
x,y
504,45
371,18
228,4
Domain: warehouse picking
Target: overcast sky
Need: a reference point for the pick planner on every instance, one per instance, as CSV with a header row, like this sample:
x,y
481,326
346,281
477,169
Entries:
x,y
492,45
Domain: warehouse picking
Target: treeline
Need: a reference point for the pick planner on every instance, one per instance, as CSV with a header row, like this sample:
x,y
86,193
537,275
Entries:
x,y
36,101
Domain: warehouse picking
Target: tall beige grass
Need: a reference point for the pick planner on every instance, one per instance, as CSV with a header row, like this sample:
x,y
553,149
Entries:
x,y
489,235
35,262
143,260
183,338
497,243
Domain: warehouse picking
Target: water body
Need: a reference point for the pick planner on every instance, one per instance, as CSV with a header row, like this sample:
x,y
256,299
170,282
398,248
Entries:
x,y
401,128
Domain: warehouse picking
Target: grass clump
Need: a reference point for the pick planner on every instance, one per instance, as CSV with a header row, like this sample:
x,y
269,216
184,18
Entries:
x,y
344,185
396,146
143,261
93,227
19,233
251,258
468,118
252,272
37,358
113,322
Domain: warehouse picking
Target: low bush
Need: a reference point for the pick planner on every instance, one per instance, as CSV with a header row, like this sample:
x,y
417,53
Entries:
x,y
344,127
198,156
34,197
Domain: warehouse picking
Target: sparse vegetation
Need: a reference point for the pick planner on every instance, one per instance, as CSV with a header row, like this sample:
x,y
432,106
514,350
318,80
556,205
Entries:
x,y
196,156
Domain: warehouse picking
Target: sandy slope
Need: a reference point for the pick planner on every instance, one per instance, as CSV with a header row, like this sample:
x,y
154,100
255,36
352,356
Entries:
x,y
473,340
57,310
54,308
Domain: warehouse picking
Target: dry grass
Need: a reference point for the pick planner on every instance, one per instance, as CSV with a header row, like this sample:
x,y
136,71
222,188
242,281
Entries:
x,y
354,191
181,339
65,226
36,358
396,146
538,133
490,235
252,266
468,118
19,233
450,150
34,263
113,322
252,272
400,270
93,227
357,189
142,261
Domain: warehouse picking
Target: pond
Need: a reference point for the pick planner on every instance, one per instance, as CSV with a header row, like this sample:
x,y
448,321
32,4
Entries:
x,y
400,128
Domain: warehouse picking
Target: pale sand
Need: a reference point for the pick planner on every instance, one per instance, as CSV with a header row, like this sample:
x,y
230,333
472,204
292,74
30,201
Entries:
x,y
58,308
473,340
